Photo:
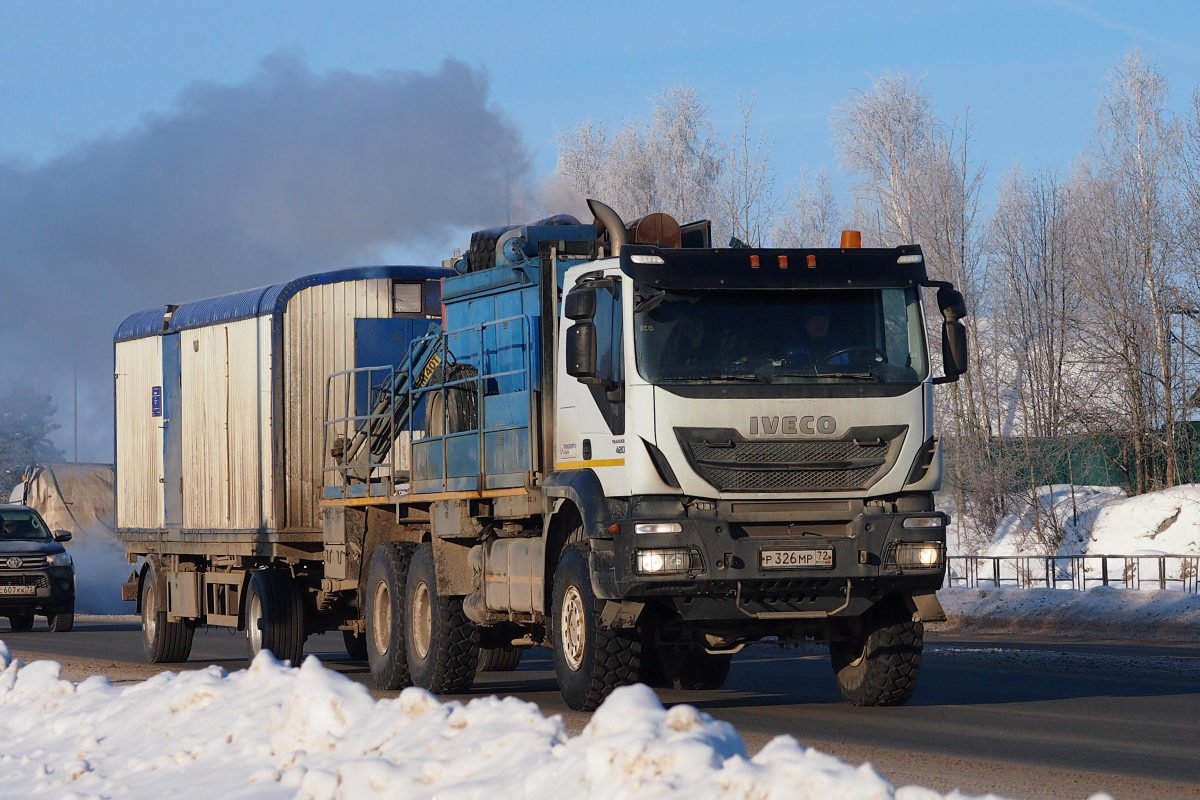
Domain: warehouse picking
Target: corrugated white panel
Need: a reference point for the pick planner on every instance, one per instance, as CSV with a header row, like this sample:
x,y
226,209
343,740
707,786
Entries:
x,y
318,338
225,445
139,435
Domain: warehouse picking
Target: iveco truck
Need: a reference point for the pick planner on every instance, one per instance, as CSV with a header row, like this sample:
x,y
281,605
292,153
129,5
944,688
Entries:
x,y
623,444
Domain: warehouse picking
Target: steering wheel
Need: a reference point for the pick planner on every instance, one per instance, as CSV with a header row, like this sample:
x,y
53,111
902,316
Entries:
x,y
861,348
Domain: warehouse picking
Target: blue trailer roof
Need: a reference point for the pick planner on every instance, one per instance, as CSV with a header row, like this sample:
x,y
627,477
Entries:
x,y
256,302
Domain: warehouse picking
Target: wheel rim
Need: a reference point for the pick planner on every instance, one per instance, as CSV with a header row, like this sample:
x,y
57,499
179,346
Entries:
x,y
381,619
254,632
149,617
422,620
572,626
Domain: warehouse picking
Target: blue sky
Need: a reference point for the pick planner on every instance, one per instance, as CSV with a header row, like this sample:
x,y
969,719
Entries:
x,y
74,73
1027,69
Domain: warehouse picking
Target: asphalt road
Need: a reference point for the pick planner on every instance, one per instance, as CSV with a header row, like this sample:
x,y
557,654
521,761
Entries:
x,y
1077,717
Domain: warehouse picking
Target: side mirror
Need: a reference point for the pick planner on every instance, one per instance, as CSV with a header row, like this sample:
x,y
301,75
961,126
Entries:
x,y
581,349
580,303
954,350
952,304
62,536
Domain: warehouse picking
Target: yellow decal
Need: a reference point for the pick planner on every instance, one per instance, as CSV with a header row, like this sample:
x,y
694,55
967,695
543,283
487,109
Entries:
x,y
434,362
603,462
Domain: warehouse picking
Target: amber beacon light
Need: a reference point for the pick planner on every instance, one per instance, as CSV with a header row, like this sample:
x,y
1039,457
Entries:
x,y
851,239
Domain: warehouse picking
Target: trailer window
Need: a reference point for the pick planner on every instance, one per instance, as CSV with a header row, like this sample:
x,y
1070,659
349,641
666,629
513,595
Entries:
x,y
781,336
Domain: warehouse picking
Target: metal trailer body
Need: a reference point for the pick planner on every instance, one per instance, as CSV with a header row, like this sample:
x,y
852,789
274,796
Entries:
x,y
219,424
702,515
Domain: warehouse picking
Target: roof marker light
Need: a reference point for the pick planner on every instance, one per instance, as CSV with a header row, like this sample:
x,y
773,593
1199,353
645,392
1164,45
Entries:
x,y
783,262
812,262
851,239
639,258
912,259
753,262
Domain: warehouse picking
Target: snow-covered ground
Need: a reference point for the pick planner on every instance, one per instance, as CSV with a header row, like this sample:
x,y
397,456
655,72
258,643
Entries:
x,y
1102,612
272,731
1101,520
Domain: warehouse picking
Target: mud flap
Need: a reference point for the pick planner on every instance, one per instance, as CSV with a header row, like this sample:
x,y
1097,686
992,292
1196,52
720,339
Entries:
x,y
926,607
619,615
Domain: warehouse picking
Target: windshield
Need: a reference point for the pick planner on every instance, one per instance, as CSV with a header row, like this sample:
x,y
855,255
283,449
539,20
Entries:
x,y
23,526
780,336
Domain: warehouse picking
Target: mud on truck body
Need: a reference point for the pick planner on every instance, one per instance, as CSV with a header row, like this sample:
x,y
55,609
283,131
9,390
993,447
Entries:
x,y
638,450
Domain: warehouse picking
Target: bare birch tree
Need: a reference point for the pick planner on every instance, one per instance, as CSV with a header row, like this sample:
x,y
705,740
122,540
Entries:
x,y
813,217
747,204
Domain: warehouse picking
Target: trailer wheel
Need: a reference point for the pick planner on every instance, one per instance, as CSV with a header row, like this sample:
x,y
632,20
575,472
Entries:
x,y
21,622
684,667
500,659
63,619
442,643
589,661
356,645
384,610
275,615
162,641
879,665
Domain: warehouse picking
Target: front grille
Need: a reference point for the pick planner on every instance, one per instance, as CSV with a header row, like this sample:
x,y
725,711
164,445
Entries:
x,y
730,462
40,581
27,562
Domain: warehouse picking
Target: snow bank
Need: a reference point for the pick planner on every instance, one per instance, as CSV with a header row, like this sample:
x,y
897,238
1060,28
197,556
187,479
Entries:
x,y
1103,612
1154,523
272,731
1075,510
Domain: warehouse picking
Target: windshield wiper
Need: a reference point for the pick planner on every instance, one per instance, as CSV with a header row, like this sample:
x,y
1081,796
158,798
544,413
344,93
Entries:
x,y
747,376
862,376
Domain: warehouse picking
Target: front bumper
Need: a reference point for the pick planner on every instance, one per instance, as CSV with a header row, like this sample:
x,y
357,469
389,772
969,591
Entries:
x,y
727,579
37,589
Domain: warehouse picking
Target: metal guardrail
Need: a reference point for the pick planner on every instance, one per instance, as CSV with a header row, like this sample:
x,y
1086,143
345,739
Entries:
x,y
1173,572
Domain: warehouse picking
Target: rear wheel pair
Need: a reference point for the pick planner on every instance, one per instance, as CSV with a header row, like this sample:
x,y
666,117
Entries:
x,y
415,635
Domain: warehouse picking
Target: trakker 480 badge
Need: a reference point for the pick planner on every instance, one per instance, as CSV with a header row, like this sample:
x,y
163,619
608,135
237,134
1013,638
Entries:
x,y
792,425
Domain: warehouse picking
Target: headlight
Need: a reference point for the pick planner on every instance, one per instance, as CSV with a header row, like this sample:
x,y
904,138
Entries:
x,y
658,527
59,560
925,522
665,562
919,555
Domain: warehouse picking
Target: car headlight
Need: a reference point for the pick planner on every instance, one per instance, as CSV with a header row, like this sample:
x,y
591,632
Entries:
x,y
59,560
657,527
919,555
665,562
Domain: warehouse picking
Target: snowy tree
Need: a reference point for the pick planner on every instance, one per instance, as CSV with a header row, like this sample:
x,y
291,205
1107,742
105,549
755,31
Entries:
x,y
24,430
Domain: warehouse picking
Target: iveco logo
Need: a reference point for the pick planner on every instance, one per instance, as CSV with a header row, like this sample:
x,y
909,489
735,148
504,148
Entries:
x,y
792,425
13,563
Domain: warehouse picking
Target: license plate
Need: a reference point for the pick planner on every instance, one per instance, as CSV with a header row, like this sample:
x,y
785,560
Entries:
x,y
792,559
18,590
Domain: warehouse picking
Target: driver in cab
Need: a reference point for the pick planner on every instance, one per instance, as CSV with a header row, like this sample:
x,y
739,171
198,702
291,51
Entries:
x,y
815,345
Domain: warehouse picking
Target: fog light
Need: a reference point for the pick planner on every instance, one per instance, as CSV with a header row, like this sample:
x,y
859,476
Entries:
x,y
658,527
925,522
919,555
663,562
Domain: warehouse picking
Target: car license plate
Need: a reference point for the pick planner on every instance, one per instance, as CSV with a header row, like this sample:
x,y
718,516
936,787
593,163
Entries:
x,y
18,590
792,559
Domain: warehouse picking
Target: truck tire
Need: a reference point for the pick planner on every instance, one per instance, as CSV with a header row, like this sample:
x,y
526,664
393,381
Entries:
x,y
21,622
879,665
356,645
500,659
63,619
684,668
275,615
589,661
454,409
384,610
442,643
163,642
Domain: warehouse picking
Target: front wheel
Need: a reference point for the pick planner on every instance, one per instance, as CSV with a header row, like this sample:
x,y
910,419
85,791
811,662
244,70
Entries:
x,y
275,615
589,660
21,622
163,641
878,665
63,619
442,643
